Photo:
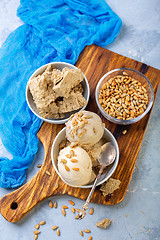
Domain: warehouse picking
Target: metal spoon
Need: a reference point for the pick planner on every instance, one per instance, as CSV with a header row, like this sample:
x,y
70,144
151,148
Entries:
x,y
107,156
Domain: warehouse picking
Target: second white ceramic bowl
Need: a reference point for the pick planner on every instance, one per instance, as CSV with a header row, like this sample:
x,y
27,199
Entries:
x,y
60,66
104,177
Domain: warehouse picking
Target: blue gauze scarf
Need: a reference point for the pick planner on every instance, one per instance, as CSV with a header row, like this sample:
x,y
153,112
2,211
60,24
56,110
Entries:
x,y
54,30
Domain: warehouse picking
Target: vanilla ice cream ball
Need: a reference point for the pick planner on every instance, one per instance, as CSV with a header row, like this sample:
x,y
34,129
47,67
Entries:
x,y
75,166
84,127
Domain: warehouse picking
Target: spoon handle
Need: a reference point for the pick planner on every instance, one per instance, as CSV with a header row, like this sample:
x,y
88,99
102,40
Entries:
x,y
85,206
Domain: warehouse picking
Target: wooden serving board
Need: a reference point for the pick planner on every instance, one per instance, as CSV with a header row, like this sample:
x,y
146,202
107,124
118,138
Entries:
x,y
94,61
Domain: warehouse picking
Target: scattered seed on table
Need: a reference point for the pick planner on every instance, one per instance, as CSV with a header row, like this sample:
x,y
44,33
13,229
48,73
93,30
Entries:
x,y
54,227
91,211
58,232
77,217
37,226
35,237
39,165
90,238
81,233
71,202
63,212
50,204
36,232
55,204
64,206
86,231
42,222
73,210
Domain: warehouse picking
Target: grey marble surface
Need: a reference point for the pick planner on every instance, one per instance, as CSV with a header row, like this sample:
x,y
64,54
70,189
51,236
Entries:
x,y
137,216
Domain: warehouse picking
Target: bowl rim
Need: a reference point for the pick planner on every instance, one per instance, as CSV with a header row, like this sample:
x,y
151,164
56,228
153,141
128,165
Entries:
x,y
89,185
54,120
121,121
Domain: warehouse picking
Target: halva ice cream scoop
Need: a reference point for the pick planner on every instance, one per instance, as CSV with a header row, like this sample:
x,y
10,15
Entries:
x,y
85,128
75,165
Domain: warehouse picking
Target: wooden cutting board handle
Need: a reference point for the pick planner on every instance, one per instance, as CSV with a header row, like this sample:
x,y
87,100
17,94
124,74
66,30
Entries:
x,y
18,203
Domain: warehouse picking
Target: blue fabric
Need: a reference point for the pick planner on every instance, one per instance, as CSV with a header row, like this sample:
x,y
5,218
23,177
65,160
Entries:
x,y
53,30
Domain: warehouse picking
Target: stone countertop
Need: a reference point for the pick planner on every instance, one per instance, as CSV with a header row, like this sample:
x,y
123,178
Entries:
x,y
137,216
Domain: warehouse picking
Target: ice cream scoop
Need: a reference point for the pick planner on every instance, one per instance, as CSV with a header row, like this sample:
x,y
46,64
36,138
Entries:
x,y
84,127
75,166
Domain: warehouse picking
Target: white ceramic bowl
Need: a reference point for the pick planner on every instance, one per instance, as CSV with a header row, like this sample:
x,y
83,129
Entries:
x,y
60,66
104,177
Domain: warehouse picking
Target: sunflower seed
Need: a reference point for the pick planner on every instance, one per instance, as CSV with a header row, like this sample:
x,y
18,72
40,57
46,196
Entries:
x,y
81,233
55,204
73,210
86,231
42,222
67,168
124,73
91,211
39,165
74,160
50,204
63,212
36,232
64,206
37,226
71,202
63,161
75,169
58,232
77,217
54,227
72,153
80,134
35,237
124,132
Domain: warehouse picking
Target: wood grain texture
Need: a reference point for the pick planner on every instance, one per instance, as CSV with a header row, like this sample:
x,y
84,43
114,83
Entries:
x,y
94,62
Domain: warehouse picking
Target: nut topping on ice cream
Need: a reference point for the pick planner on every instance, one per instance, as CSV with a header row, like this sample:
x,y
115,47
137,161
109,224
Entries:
x,y
84,127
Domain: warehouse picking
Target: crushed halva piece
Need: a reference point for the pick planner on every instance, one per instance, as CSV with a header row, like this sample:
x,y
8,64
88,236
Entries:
x,y
57,92
110,186
103,223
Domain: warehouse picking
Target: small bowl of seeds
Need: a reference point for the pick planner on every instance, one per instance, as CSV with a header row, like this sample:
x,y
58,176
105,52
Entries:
x,y
124,96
